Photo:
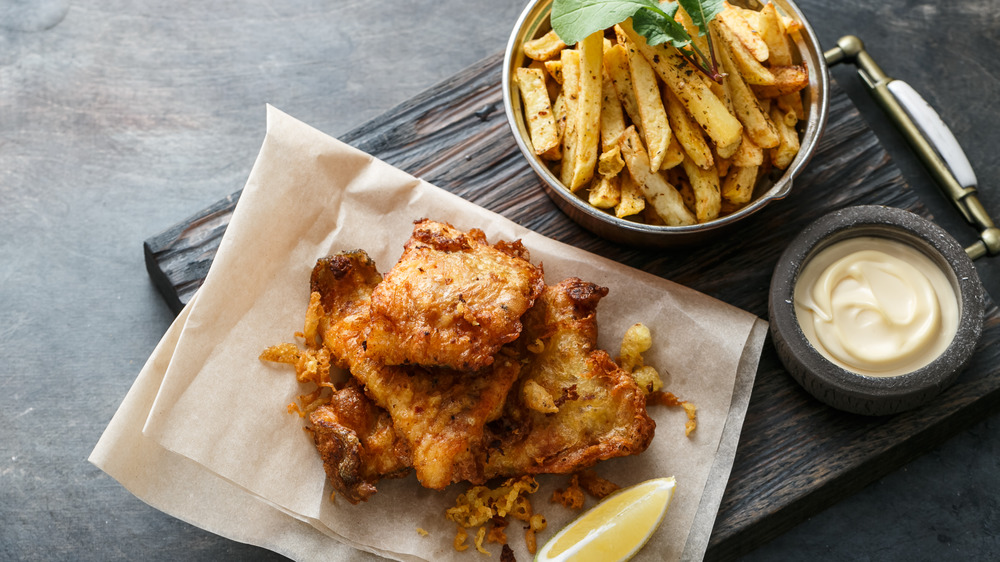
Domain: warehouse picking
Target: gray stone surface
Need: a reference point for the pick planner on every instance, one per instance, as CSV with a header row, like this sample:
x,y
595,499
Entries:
x,y
118,119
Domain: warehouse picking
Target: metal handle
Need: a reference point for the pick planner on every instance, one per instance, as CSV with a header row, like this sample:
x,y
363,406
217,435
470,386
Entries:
x,y
929,137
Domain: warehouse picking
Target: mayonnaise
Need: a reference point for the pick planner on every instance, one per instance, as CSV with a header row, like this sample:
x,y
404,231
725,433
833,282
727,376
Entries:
x,y
876,306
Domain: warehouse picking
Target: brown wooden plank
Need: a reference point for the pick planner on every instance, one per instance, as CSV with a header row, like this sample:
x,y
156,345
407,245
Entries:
x,y
796,456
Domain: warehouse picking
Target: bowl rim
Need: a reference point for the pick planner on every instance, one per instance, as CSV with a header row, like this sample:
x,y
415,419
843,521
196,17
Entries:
x,y
534,18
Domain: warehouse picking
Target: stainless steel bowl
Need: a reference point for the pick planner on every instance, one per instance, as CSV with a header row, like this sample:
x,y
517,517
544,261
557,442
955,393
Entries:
x,y
534,21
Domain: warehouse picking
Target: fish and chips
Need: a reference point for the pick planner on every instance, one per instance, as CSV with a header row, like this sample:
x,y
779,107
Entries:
x,y
484,372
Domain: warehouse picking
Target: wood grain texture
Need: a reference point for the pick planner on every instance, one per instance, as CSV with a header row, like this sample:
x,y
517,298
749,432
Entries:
x,y
796,456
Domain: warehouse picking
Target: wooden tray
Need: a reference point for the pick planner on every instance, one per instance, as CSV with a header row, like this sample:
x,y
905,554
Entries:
x,y
796,456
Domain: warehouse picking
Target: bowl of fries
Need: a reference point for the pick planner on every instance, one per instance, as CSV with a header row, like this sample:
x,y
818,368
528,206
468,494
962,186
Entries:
x,y
639,145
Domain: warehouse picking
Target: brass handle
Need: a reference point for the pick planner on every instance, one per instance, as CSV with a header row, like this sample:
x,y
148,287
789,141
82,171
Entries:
x,y
964,197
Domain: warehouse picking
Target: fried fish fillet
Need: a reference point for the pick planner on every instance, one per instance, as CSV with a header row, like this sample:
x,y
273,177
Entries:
x,y
357,443
572,406
440,413
453,300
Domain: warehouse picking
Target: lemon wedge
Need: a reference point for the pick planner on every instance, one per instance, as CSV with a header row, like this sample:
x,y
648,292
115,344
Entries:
x,y
614,529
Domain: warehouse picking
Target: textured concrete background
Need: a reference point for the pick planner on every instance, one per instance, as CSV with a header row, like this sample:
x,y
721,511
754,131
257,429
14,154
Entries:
x,y
120,118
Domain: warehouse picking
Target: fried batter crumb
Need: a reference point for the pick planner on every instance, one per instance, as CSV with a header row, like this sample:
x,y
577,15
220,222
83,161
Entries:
x,y
507,554
497,532
422,532
572,496
664,398
481,504
595,485
480,535
460,536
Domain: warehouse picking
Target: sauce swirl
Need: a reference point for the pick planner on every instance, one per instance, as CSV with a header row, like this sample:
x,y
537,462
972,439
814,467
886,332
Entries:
x,y
876,306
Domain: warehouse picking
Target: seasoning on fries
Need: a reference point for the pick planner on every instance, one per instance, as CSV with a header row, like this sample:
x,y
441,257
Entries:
x,y
693,148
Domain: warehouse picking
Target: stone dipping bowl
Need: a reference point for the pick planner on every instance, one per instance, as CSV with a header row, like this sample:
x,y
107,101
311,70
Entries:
x,y
862,394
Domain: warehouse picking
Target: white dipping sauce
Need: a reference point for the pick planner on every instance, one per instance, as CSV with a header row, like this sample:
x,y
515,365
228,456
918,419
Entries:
x,y
876,306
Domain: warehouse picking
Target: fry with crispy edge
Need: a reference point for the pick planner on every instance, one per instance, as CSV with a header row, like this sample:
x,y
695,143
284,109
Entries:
x,y
612,118
758,126
655,126
616,65
782,155
588,111
537,110
545,47
701,103
664,198
707,194
632,201
772,31
571,91
734,19
687,132
751,69
737,187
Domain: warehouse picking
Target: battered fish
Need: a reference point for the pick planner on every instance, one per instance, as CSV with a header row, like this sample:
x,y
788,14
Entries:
x,y
549,402
572,406
452,300
440,413
357,443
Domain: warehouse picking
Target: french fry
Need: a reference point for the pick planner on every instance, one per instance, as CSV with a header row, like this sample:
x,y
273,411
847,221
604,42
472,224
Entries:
x,y
537,110
616,65
748,154
782,155
545,47
707,194
657,191
772,32
605,193
632,201
559,113
656,128
551,86
758,126
612,119
686,132
554,68
571,91
752,71
674,156
701,103
610,162
737,187
588,111
787,80
732,18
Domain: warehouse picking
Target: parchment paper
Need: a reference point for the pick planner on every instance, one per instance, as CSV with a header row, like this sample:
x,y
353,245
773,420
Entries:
x,y
218,449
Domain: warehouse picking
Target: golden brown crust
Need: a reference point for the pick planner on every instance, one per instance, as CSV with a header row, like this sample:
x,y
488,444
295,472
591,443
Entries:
x,y
358,444
452,300
550,402
601,411
440,413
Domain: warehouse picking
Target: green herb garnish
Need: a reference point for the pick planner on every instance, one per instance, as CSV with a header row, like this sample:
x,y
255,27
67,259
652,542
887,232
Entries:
x,y
575,19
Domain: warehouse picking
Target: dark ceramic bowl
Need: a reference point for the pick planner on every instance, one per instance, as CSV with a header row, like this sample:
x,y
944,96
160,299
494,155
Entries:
x,y
534,22
850,391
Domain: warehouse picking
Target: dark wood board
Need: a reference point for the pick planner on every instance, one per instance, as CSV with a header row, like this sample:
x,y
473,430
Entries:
x,y
796,456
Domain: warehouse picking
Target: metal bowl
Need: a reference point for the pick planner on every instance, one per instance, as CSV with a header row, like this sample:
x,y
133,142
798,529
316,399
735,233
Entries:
x,y
534,22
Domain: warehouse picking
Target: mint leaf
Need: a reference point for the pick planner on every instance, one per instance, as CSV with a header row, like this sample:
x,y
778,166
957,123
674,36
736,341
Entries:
x,y
574,20
660,27
702,11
